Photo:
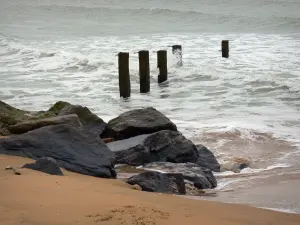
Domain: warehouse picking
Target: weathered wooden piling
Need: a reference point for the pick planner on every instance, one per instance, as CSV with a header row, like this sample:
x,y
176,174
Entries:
x,y
225,49
144,70
177,50
162,65
124,78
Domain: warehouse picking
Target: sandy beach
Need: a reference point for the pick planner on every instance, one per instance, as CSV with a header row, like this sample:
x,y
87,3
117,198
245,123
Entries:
x,y
36,198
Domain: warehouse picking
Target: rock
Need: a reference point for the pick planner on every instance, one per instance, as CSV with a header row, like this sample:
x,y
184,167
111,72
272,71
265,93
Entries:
x,y
192,190
46,165
207,159
89,120
136,187
73,149
9,168
202,178
137,122
16,171
58,106
164,146
236,164
159,182
85,116
26,126
4,132
11,116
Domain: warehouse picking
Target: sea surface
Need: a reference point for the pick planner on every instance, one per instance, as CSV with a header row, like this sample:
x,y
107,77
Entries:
x,y
246,106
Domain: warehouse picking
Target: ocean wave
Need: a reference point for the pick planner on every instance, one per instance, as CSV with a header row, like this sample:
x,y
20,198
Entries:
x,y
233,18
249,171
37,58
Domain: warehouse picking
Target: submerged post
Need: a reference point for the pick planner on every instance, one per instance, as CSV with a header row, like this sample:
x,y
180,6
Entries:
x,y
162,66
144,69
124,79
177,50
225,49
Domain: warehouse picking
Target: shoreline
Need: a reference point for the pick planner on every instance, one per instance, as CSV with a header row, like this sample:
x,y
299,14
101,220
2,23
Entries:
x,y
79,199
65,129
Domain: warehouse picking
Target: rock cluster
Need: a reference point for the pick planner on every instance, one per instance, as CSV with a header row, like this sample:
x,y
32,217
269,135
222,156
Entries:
x,y
72,137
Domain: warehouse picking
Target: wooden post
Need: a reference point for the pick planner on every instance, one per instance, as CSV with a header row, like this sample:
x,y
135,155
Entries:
x,y
124,79
225,49
177,50
162,65
144,71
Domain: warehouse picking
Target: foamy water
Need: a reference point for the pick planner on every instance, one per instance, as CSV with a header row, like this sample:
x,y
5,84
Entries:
x,y
246,106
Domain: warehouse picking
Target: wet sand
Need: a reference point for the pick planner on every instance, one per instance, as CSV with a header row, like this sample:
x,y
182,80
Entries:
x,y
277,192
36,198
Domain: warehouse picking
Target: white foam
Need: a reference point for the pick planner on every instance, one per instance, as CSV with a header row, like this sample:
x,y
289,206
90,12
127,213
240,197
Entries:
x,y
292,211
250,170
154,170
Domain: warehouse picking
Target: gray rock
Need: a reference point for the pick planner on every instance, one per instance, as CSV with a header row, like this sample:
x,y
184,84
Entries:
x,y
73,149
89,120
137,122
236,164
150,181
46,165
9,168
4,132
23,127
202,178
85,116
207,159
11,116
165,146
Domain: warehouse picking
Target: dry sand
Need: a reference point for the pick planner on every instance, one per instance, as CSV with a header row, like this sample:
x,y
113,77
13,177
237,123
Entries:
x,y
36,198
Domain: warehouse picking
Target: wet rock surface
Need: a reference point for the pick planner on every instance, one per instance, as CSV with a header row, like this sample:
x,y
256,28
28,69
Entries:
x,y
137,122
207,159
26,126
46,165
73,149
165,146
202,178
151,181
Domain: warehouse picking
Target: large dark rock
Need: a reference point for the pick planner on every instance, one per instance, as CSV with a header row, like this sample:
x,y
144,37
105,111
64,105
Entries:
x,y
164,146
202,178
46,165
74,149
137,122
207,159
26,126
151,181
